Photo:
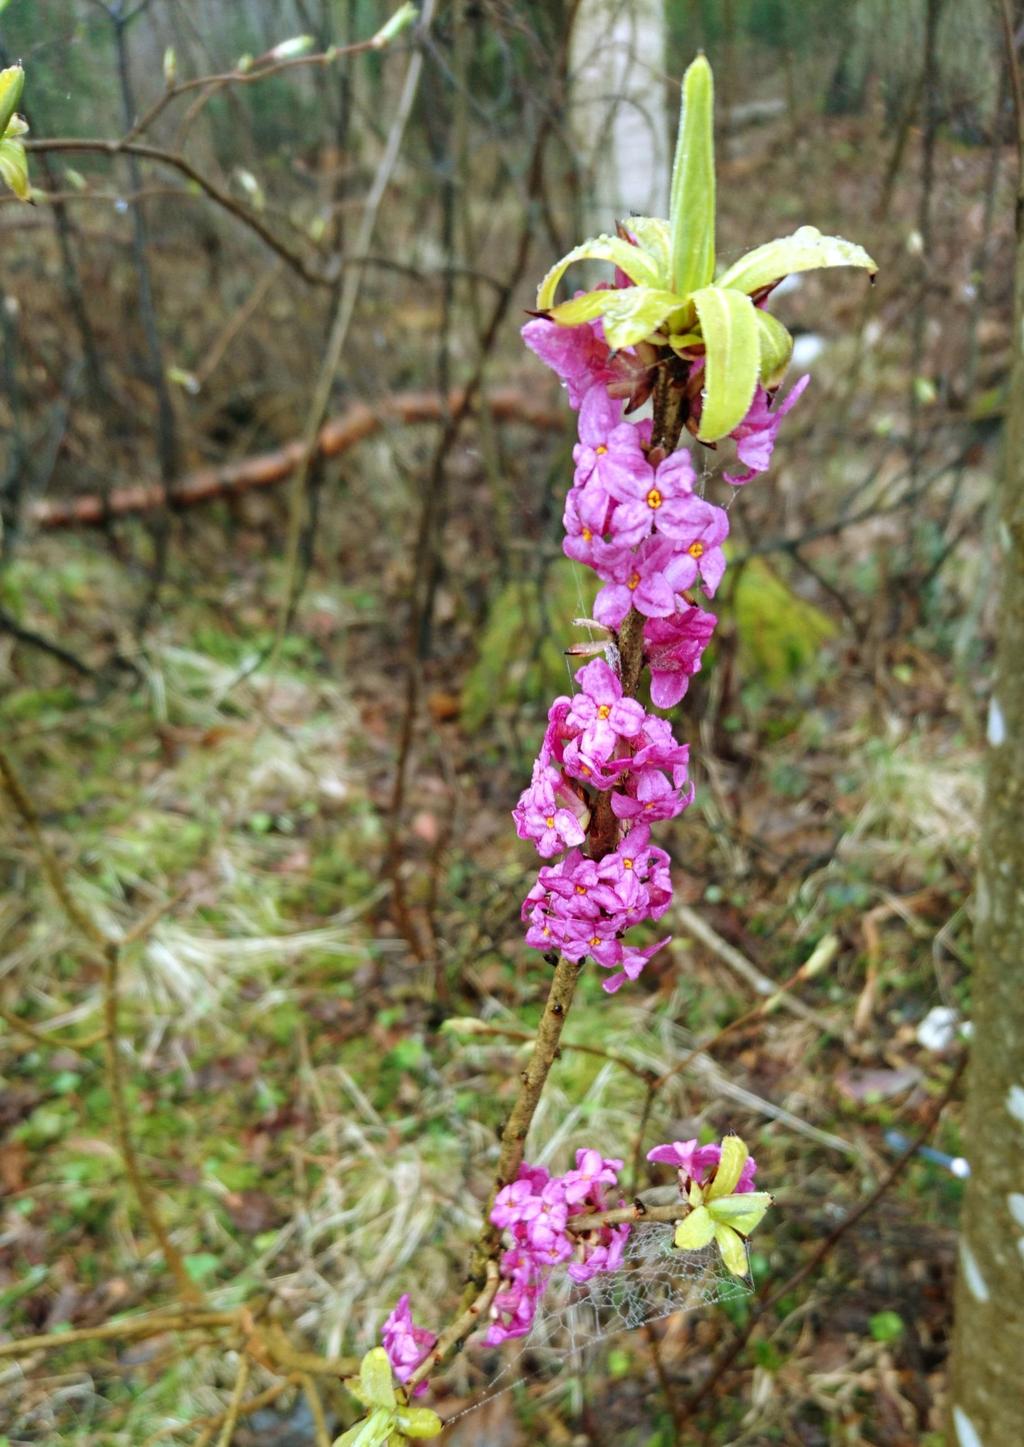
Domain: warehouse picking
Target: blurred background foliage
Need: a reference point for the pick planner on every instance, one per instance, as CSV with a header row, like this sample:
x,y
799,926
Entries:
x,y
316,1141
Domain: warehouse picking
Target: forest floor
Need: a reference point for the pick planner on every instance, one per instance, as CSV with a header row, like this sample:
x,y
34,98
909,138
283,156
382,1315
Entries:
x,y
317,1132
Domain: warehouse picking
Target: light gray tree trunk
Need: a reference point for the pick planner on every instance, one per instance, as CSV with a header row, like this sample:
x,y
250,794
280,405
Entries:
x,y
619,112
988,1348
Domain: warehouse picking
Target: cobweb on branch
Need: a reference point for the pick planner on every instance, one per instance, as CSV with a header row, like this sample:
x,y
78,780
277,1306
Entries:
x,y
654,1281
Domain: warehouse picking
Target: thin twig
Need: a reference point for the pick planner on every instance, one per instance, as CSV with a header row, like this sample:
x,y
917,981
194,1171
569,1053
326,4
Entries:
x,y
231,1418
701,931
465,1323
176,1319
48,1041
316,1411
344,311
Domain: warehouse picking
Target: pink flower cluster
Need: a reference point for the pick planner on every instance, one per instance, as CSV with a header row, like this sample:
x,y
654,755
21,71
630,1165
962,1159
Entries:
x,y
601,740
633,516
535,1210
699,1164
406,1344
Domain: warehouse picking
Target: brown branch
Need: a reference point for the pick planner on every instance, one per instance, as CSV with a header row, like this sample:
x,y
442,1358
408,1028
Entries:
x,y
513,1137
107,952
465,1323
238,1392
266,469
50,1041
155,1325
181,164
246,77
262,1399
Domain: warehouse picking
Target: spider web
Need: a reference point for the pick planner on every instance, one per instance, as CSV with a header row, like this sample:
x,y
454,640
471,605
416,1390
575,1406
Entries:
x,y
655,1280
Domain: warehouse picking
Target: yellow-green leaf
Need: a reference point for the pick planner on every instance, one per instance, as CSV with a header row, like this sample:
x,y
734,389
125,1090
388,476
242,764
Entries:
x,y
14,168
372,1431
637,265
653,237
732,351
630,313
730,1168
12,83
375,1378
692,207
695,1230
806,250
743,1213
776,348
418,1422
733,1251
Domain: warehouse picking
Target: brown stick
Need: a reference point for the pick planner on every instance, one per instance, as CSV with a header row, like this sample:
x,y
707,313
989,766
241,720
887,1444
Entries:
x,y
266,469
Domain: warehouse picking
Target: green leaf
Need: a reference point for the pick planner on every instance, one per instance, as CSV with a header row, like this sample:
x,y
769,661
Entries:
x,y
654,238
630,313
805,250
732,349
886,1326
730,1168
776,348
419,1422
14,168
692,206
12,83
743,1212
637,265
694,1230
734,1253
372,1431
201,1266
375,1378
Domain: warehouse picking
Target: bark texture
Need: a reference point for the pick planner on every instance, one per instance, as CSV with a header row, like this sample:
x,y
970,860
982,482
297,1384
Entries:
x,y
619,112
988,1353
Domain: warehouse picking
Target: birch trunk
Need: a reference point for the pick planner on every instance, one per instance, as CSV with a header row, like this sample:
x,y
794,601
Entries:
x,y
619,114
988,1347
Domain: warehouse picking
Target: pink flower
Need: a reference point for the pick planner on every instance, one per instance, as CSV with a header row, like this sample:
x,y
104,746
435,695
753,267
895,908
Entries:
x,y
698,529
578,355
755,436
699,1163
599,712
631,964
673,647
647,580
550,813
650,796
655,747
605,1254
648,499
586,519
515,1305
592,1172
609,450
406,1344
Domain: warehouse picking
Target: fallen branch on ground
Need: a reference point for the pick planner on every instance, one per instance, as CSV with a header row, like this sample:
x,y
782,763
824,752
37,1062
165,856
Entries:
x,y
266,469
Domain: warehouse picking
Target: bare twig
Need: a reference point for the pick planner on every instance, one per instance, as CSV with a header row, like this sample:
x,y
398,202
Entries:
x,y
231,1417
465,1323
343,313
701,931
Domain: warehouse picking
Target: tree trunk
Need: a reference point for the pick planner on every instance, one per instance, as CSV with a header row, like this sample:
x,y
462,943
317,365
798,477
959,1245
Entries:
x,y
620,121
988,1348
